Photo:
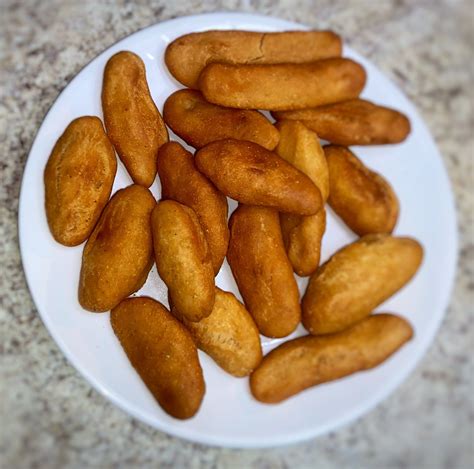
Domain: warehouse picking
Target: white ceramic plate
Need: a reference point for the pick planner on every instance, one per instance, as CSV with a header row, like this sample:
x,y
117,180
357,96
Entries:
x,y
229,416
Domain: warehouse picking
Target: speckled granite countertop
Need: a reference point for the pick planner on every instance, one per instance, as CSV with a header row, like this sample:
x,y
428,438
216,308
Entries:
x,y
50,417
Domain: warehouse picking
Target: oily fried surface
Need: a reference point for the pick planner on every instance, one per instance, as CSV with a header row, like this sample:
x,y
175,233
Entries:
x,y
262,271
162,352
353,122
361,197
78,179
181,181
283,86
133,122
356,279
119,253
183,259
303,235
229,335
301,148
307,361
198,122
252,175
187,55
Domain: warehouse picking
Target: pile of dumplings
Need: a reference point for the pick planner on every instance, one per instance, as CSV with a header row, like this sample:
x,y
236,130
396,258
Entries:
x,y
281,177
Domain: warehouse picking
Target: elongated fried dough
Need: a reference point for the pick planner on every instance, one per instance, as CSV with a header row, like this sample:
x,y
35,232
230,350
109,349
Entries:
x,y
198,122
229,335
162,352
133,122
252,175
361,197
262,271
187,55
307,361
356,279
303,235
301,148
353,122
119,253
78,179
183,259
284,86
181,181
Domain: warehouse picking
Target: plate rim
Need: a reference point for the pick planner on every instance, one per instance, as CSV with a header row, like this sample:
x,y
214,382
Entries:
x,y
224,441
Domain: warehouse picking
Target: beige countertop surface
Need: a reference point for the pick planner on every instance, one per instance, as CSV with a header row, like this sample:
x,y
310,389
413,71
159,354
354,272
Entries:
x,y
51,417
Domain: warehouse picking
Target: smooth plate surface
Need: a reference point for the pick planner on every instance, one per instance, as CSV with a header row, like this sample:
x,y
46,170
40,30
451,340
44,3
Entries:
x,y
229,415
